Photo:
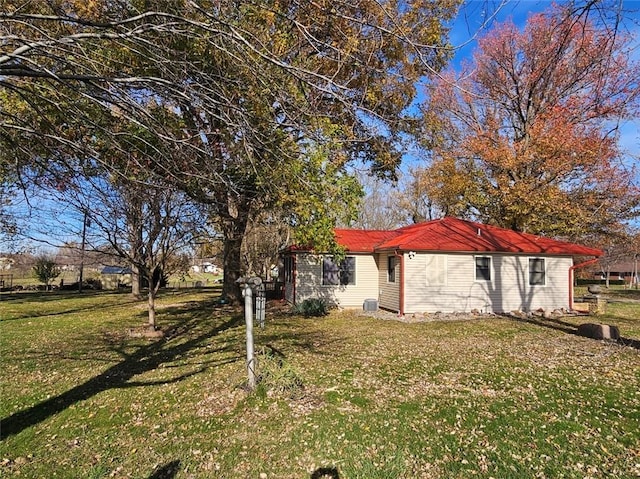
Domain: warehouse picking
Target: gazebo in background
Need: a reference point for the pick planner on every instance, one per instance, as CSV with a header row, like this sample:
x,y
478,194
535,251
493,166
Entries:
x,y
115,277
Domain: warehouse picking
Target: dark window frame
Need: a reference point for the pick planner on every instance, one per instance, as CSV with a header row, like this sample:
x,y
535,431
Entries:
x,y
391,269
482,268
343,274
537,272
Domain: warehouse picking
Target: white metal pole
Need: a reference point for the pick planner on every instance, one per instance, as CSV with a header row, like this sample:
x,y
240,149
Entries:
x,y
248,318
82,248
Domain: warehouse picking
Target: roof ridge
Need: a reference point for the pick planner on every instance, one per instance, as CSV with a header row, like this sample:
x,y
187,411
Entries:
x,y
455,234
364,230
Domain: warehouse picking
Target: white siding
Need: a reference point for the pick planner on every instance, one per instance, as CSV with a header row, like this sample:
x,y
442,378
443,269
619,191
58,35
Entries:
x,y
508,289
309,282
389,297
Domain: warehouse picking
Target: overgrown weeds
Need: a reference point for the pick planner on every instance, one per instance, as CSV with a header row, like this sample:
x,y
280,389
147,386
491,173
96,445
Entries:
x,y
311,307
276,373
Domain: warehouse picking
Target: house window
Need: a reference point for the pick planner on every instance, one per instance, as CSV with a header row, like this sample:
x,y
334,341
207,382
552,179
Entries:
x,y
343,273
483,268
391,269
537,273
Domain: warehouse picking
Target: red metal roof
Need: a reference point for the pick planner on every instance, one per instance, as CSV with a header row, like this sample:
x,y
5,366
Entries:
x,y
362,241
456,235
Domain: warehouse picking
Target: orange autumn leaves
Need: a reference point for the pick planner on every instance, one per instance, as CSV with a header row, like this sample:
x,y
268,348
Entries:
x,y
525,137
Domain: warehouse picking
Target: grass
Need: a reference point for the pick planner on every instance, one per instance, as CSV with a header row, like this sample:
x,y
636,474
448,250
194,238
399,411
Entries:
x,y
26,279
344,395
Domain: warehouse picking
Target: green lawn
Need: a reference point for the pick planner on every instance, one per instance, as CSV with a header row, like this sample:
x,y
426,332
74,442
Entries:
x,y
347,395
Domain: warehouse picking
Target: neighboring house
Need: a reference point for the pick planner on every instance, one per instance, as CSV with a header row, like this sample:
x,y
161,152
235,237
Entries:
x,y
624,270
209,268
114,277
205,267
446,265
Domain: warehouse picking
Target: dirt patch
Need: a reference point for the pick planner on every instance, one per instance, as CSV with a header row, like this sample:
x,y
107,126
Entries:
x,y
422,317
145,332
461,316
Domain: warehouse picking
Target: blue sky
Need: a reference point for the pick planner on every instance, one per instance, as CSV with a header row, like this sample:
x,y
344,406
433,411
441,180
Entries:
x,y
476,16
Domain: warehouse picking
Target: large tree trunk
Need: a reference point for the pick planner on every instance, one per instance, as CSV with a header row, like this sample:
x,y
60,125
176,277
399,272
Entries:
x,y
152,307
135,282
155,281
233,229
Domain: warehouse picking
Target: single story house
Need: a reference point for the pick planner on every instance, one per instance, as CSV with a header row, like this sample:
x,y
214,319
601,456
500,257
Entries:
x,y
628,271
446,265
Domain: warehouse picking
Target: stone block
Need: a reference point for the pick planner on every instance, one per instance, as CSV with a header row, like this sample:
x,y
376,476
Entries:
x,y
599,331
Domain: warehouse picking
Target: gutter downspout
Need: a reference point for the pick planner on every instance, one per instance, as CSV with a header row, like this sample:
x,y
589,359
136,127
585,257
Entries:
x,y
294,275
571,269
401,284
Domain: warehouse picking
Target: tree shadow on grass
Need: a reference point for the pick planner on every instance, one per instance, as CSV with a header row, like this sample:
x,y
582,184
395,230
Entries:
x,y
569,328
550,323
326,473
49,296
41,297
144,358
629,342
168,471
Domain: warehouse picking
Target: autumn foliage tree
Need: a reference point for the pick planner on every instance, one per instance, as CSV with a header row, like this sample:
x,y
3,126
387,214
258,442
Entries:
x,y
525,136
235,94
